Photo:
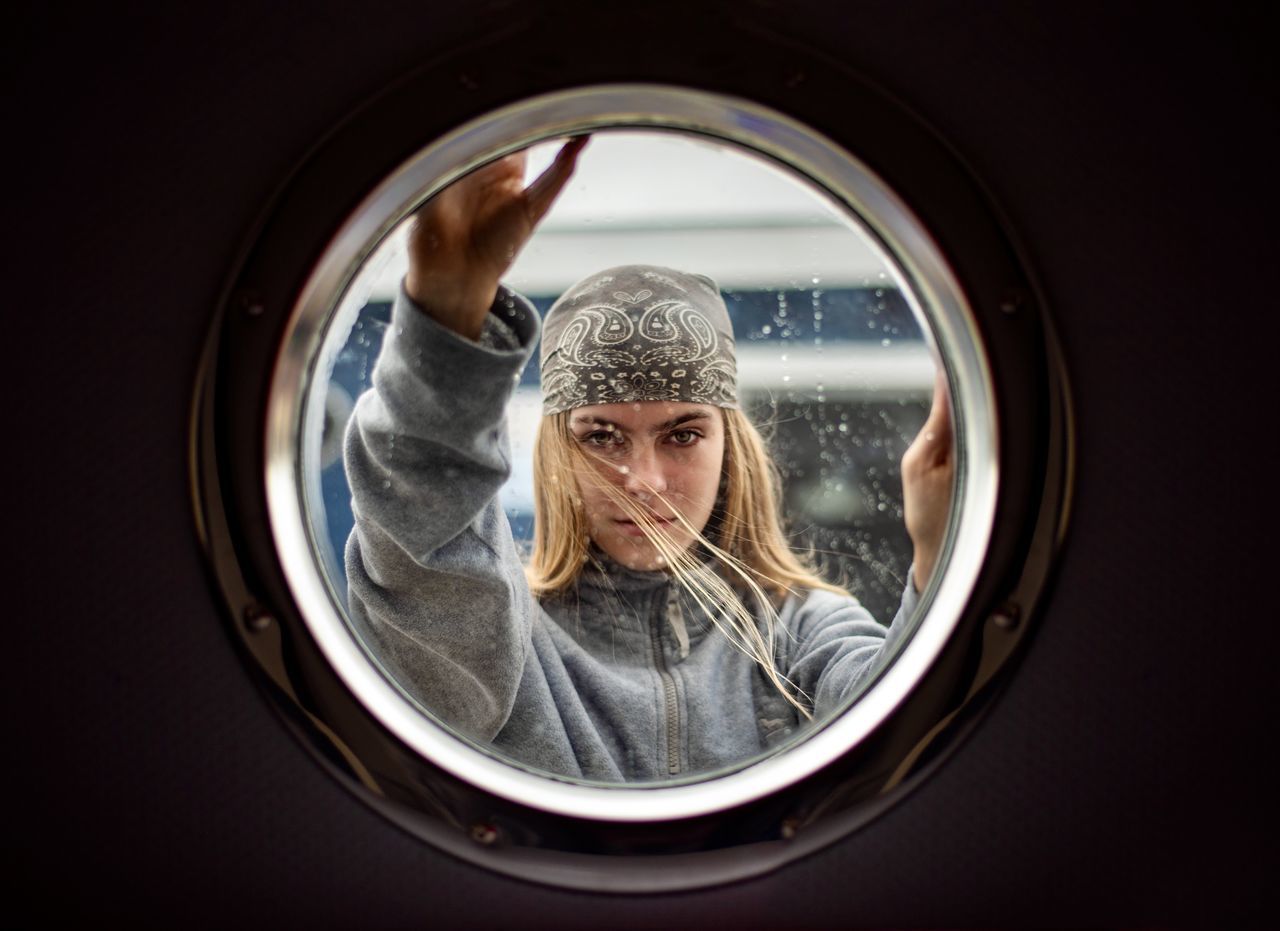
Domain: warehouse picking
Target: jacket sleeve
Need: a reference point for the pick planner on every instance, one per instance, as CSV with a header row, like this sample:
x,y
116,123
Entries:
x,y
435,583
833,646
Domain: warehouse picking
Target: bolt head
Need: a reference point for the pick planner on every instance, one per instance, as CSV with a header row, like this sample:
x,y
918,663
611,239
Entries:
x,y
1007,616
256,618
1011,302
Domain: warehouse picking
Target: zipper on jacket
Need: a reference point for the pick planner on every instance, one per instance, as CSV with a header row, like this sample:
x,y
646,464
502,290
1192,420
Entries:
x,y
669,690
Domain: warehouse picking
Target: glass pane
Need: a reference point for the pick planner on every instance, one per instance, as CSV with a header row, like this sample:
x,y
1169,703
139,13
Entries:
x,y
835,369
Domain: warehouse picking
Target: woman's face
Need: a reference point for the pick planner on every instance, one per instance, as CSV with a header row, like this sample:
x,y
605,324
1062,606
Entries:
x,y
666,456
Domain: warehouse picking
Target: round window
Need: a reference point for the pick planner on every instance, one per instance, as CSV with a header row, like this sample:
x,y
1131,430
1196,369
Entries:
x,y
628,478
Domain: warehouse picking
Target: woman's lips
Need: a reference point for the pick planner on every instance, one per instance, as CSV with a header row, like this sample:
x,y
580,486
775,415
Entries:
x,y
632,529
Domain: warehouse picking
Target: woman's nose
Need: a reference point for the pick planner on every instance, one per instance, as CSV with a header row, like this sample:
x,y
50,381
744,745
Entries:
x,y
642,475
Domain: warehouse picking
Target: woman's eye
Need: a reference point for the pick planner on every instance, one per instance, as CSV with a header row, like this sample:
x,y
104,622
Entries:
x,y
602,438
685,437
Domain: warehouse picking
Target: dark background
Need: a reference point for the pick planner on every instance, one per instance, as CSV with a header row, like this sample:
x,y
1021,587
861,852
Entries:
x,y
1122,778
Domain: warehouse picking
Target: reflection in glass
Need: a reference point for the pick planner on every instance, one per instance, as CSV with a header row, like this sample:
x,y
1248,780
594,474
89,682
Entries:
x,y
833,364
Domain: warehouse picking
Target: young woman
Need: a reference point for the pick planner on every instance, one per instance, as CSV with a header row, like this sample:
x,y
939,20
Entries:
x,y
663,627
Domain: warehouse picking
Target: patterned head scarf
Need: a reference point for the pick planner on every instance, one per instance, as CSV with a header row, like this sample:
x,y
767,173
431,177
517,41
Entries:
x,y
638,333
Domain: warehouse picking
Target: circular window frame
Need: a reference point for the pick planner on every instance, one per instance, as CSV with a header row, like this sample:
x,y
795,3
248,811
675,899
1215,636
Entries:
x,y
245,470
582,111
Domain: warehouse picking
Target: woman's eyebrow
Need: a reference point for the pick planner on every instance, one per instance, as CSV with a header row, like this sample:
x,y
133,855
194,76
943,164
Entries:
x,y
684,418
584,421
589,421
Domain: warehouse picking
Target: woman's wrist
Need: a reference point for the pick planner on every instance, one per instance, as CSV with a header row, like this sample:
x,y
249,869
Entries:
x,y
459,308
922,569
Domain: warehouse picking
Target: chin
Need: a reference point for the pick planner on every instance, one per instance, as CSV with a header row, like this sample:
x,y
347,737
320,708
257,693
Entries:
x,y
639,555
639,559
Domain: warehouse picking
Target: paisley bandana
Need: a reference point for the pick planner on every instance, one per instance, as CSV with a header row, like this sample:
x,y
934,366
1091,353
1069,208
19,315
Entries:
x,y
638,333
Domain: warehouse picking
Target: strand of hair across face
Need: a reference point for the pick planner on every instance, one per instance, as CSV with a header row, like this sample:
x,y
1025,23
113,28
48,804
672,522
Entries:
x,y
705,586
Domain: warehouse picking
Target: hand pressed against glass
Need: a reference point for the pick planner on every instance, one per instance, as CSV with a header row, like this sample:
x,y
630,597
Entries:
x,y
665,456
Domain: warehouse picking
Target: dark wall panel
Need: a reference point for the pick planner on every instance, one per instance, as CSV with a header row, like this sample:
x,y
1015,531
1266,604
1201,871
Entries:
x,y
1121,777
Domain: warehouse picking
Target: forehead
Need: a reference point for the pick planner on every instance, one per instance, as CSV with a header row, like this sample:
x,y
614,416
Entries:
x,y
643,415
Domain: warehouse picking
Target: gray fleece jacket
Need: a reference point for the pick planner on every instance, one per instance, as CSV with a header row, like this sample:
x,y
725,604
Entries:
x,y
623,678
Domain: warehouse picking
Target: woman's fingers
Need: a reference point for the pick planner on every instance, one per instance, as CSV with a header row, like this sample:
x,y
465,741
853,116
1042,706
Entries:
x,y
507,171
542,193
928,469
932,448
937,433
491,205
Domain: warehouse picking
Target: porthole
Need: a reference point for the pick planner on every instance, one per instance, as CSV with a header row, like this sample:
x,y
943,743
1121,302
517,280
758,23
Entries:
x,y
847,306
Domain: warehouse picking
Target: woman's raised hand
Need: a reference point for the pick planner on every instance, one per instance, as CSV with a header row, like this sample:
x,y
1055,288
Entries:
x,y
928,472
465,238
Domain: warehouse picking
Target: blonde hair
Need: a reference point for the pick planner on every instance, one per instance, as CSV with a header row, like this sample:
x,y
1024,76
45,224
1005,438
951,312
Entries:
x,y
749,543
